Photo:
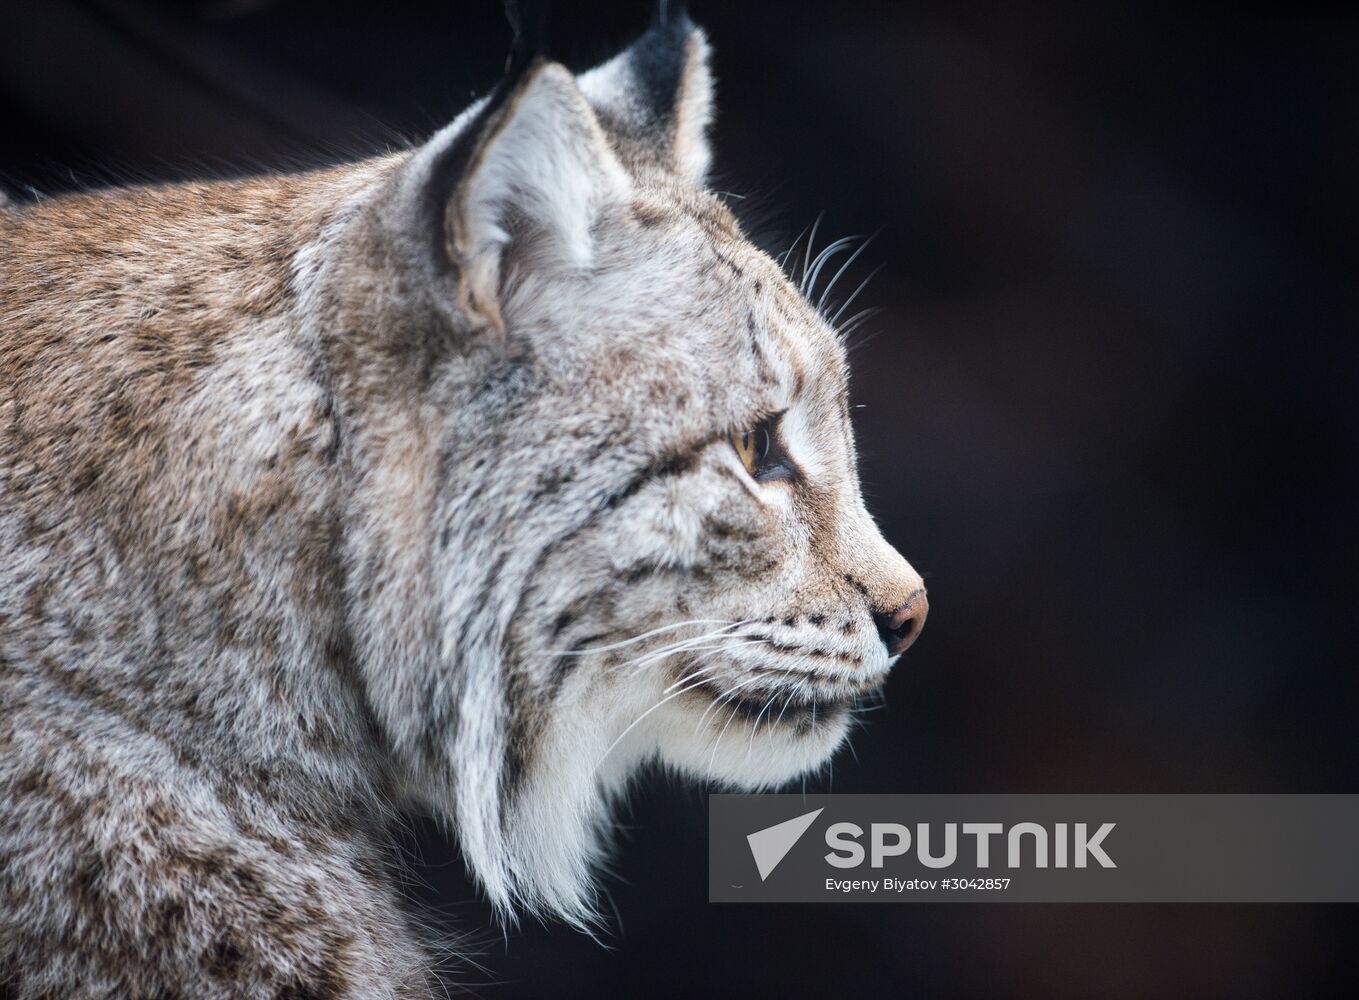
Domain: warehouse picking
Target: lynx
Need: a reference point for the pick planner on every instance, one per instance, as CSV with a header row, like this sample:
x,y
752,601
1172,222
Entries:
x,y
469,478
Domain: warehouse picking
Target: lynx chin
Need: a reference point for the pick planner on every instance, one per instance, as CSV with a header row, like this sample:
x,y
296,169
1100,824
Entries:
x,y
471,477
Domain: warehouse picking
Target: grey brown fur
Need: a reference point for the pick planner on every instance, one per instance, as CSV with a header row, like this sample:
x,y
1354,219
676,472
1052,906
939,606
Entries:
x,y
303,520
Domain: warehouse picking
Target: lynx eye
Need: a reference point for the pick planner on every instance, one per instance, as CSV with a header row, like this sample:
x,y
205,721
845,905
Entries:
x,y
760,452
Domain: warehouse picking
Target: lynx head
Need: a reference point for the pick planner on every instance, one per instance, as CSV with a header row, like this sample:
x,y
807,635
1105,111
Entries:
x,y
607,506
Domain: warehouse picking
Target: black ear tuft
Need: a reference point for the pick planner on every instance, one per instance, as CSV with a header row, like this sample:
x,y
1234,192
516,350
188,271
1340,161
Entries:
x,y
655,97
670,10
658,60
528,20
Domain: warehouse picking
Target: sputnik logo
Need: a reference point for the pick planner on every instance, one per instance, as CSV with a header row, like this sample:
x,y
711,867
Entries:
x,y
772,844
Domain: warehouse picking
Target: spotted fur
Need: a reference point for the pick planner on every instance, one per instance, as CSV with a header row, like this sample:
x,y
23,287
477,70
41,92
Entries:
x,y
404,481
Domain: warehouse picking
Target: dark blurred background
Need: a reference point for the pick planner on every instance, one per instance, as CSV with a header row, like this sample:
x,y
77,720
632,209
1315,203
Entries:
x,y
1109,408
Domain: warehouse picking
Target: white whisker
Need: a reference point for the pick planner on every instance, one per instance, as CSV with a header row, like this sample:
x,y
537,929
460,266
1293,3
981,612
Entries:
x,y
822,258
720,647
855,294
807,254
720,699
825,293
717,743
756,727
854,322
690,682
783,257
647,635
797,689
679,647
639,718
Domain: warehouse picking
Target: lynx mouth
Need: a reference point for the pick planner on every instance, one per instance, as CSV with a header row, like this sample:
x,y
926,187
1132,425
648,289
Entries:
x,y
798,710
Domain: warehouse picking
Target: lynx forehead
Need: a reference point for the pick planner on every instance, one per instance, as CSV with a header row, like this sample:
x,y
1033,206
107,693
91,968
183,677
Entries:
x,y
476,476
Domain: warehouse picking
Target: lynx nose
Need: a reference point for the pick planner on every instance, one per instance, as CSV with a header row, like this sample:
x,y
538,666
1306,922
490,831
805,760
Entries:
x,y
899,628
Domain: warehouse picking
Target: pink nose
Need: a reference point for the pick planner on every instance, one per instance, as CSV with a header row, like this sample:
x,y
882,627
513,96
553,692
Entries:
x,y
899,628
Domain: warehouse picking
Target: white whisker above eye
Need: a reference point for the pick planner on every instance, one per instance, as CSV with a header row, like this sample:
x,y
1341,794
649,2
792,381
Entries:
x,y
807,253
855,321
830,285
853,295
783,257
823,258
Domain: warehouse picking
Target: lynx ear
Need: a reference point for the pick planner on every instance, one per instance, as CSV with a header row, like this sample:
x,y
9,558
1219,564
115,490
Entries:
x,y
656,97
529,169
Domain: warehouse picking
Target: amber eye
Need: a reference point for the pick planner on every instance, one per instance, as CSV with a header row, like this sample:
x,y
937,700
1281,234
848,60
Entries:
x,y
753,447
759,451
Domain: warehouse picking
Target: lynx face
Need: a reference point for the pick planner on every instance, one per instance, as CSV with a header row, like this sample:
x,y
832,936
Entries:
x,y
648,536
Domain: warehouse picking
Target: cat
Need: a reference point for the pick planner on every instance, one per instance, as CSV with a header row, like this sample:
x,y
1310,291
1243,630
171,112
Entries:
x,y
470,477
